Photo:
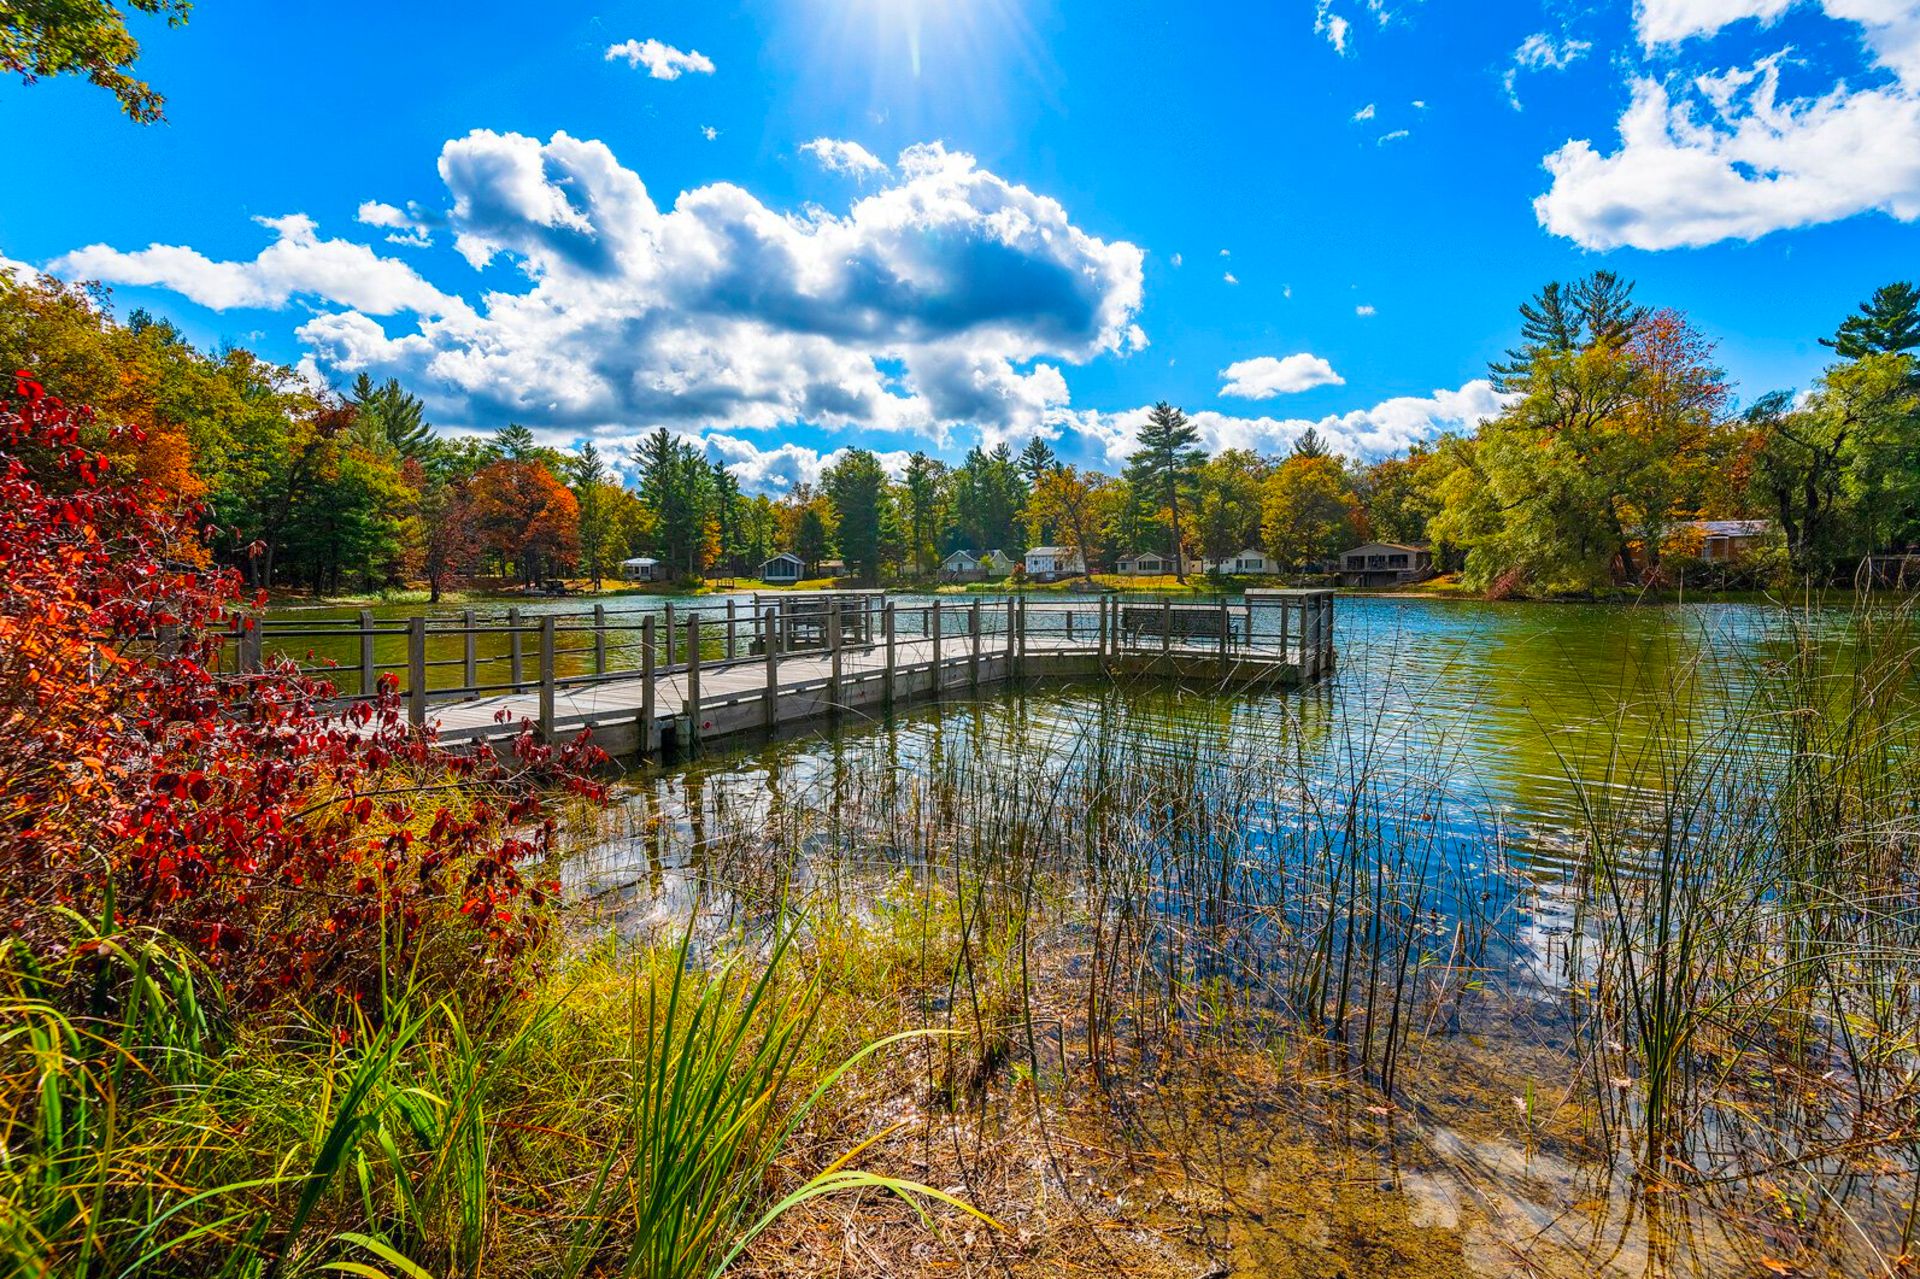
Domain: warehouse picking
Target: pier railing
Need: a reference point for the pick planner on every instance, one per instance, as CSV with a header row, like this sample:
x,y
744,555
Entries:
x,y
827,644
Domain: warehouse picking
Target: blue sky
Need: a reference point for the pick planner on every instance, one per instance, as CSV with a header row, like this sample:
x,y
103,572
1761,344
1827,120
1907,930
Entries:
x,y
789,226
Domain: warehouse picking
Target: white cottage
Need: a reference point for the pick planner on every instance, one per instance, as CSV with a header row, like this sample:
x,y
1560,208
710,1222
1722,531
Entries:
x,y
1050,563
643,568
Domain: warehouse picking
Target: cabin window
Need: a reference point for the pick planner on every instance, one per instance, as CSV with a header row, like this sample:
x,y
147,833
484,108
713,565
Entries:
x,y
1396,561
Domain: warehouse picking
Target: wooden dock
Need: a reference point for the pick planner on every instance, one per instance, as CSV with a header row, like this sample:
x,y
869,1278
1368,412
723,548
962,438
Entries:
x,y
666,680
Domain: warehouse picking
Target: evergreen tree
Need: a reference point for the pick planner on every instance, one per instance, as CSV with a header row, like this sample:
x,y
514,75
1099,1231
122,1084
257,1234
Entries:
x,y
855,485
810,541
1310,444
1562,319
1165,469
387,414
921,493
589,477
1036,460
1888,324
514,442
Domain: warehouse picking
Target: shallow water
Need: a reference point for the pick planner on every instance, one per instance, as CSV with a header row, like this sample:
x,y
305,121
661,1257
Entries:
x,y
1435,791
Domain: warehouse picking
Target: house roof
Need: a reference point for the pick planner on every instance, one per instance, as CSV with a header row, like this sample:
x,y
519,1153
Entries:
x,y
1055,551
962,555
1734,528
639,561
784,555
1386,546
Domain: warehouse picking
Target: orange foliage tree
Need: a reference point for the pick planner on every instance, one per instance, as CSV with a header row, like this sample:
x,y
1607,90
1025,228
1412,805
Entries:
x,y
526,516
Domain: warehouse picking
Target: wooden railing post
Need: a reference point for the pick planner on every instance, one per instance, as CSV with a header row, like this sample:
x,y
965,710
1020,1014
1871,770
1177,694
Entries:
x,y
515,666
973,645
469,650
1166,628
834,637
669,636
647,720
886,627
599,639
546,676
693,679
732,640
934,625
366,653
1328,644
1016,634
1226,630
417,671
771,645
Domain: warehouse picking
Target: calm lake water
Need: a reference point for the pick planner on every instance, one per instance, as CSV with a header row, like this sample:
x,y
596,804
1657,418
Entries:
x,y
1501,704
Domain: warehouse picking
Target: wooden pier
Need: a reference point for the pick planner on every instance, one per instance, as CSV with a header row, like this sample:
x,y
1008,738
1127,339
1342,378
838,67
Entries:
x,y
666,679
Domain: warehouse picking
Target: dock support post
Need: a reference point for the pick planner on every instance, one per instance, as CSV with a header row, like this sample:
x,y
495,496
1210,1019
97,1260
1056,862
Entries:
x,y
599,639
693,679
366,653
546,677
834,635
469,650
935,625
417,671
771,645
973,646
669,636
1100,628
1327,642
647,719
886,627
1016,635
1226,634
732,634
513,648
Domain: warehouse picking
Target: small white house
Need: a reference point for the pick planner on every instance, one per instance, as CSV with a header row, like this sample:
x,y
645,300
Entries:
x,y
1242,563
642,568
962,566
965,566
785,567
1048,563
1147,564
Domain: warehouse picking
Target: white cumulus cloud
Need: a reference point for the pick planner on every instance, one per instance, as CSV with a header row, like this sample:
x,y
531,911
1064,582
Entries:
x,y
1386,428
1728,154
1264,377
662,61
297,264
838,156
949,298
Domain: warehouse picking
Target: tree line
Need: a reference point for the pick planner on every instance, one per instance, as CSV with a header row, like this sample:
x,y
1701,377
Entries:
x,y
1618,432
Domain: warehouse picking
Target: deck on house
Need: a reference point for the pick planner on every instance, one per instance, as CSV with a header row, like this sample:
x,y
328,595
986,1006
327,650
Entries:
x,y
648,681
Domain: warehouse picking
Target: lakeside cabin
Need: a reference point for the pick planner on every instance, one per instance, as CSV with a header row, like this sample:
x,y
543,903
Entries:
x,y
965,566
1248,562
642,568
1051,563
1385,564
1722,541
786,567
1146,564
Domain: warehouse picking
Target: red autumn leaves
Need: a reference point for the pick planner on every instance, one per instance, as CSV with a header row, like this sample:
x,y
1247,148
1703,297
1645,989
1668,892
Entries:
x,y
294,841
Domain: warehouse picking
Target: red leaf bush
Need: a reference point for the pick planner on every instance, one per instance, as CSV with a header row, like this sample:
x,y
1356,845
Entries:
x,y
298,842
